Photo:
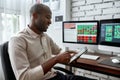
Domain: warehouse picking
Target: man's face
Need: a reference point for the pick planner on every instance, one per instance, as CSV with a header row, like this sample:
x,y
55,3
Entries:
x,y
43,21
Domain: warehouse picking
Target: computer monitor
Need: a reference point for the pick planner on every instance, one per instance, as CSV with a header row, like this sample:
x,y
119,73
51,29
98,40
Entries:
x,y
77,34
109,39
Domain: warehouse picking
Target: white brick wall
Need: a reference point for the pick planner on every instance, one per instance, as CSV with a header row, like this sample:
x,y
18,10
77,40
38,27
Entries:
x,y
75,9
103,17
113,78
75,19
94,75
107,0
104,5
74,0
117,16
82,2
111,10
78,3
77,14
87,18
93,1
117,3
79,72
95,10
88,7
99,75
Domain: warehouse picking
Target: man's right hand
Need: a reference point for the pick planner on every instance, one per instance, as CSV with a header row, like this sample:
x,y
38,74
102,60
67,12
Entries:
x,y
64,57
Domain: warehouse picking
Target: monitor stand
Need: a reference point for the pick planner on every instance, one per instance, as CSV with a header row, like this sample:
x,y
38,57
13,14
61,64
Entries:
x,y
91,51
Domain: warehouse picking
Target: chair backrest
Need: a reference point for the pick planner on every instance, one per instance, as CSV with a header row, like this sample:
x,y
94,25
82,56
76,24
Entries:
x,y
7,69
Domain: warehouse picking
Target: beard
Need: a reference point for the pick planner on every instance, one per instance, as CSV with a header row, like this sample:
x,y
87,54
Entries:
x,y
40,25
41,28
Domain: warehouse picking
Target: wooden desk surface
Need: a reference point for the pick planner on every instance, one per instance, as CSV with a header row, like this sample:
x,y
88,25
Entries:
x,y
94,65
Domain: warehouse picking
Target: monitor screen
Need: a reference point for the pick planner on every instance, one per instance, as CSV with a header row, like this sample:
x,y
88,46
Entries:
x,y
84,32
110,33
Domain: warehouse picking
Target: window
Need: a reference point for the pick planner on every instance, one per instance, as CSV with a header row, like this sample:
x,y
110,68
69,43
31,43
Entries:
x,y
9,26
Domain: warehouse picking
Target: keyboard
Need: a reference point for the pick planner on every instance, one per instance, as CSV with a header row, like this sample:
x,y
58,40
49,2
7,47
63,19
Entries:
x,y
88,56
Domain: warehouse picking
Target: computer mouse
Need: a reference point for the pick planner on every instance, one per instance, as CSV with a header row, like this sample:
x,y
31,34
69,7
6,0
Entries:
x,y
115,61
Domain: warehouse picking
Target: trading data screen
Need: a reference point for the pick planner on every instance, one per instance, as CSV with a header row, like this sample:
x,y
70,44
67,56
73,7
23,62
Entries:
x,y
110,32
80,32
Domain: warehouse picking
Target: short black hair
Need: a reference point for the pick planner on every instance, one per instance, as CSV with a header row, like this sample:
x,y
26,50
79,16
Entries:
x,y
39,8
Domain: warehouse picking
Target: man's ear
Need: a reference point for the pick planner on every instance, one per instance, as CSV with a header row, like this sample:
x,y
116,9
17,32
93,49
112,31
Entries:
x,y
35,15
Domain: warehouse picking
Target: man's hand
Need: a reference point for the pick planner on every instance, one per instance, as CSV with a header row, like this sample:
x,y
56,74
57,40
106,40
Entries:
x,y
65,57
60,58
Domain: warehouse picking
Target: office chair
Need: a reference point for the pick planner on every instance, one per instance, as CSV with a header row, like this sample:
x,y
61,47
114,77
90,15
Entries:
x,y
7,69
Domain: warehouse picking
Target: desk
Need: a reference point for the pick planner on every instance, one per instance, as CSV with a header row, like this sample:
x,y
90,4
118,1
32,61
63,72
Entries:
x,y
94,65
